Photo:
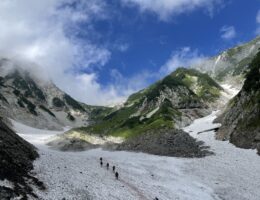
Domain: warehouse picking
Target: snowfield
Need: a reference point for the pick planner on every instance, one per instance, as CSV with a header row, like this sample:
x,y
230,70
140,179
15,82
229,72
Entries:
x,y
231,173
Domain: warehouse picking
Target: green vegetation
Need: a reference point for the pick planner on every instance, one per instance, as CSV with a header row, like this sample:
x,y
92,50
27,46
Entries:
x,y
124,123
251,87
241,67
168,81
249,98
47,110
252,82
237,67
140,112
97,113
129,128
199,83
135,98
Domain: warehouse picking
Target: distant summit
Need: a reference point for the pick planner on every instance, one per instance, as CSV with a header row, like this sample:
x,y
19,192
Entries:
x,y
38,103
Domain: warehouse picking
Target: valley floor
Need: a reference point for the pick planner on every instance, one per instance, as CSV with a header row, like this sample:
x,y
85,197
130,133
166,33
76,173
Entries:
x,y
231,173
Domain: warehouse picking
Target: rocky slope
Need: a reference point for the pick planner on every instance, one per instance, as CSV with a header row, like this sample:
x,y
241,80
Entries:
x,y
16,161
171,103
166,142
241,119
231,65
37,102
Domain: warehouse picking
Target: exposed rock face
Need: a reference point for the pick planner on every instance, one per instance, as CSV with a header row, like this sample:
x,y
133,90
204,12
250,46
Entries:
x,y
241,119
37,102
166,142
16,161
231,65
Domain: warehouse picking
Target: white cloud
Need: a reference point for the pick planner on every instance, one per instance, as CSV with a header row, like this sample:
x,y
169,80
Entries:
x,y
258,17
228,32
258,22
165,9
122,47
129,85
185,57
44,32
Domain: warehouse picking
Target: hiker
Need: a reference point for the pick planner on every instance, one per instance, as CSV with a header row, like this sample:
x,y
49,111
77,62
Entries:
x,y
117,175
101,163
107,166
100,159
156,198
114,168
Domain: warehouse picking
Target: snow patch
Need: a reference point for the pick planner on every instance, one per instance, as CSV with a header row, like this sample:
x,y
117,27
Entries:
x,y
150,114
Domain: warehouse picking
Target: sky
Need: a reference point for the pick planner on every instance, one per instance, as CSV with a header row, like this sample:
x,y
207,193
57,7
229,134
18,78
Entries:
x,y
101,51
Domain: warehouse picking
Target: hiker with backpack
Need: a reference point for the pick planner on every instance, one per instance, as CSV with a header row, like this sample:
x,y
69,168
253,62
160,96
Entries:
x,y
116,175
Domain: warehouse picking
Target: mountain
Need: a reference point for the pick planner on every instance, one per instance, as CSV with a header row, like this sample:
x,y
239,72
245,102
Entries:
x,y
172,102
16,161
241,119
231,65
38,103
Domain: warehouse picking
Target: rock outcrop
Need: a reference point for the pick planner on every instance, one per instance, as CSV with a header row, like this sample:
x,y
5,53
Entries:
x,y
241,120
16,162
231,65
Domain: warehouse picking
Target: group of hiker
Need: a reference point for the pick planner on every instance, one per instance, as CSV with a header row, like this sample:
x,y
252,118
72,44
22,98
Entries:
x,y
114,170
107,166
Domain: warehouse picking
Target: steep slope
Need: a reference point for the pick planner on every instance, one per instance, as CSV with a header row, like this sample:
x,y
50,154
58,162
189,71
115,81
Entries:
x,y
241,119
16,157
35,102
231,65
172,102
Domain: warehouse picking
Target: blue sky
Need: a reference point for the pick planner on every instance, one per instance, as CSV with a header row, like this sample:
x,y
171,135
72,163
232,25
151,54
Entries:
x,y
101,51
151,41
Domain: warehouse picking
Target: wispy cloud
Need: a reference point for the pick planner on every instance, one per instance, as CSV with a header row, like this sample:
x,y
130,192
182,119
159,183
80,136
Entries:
x,y
128,85
228,32
165,9
184,57
258,22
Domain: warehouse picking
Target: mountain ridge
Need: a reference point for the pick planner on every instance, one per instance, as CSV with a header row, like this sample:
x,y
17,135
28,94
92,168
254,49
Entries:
x,y
38,103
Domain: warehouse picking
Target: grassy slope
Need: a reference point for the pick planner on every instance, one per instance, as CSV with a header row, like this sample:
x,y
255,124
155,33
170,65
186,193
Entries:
x,y
200,83
124,123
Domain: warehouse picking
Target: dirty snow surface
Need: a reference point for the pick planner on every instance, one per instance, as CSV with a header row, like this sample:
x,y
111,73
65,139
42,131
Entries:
x,y
231,173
